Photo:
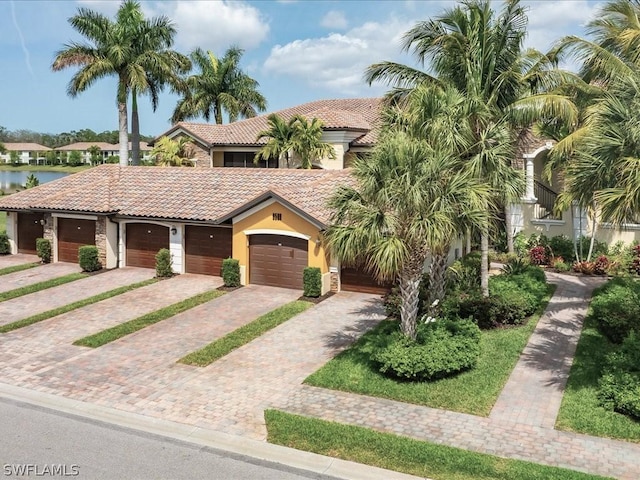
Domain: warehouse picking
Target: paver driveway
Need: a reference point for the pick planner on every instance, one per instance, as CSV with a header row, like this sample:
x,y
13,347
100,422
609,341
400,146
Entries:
x,y
18,259
37,274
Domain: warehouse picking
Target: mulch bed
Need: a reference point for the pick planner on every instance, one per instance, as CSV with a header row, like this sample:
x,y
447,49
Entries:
x,y
317,299
228,289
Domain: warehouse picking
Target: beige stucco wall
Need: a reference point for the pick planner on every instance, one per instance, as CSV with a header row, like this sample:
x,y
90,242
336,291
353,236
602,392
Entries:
x,y
291,223
218,159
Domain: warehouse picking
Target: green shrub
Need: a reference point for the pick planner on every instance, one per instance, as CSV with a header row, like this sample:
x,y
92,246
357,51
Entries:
x,y
562,267
507,289
562,246
231,272
515,266
392,302
88,258
616,308
164,263
43,249
619,386
442,348
460,276
312,282
5,248
501,257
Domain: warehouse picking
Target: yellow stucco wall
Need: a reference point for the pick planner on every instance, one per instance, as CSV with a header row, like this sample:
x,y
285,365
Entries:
x,y
218,159
291,222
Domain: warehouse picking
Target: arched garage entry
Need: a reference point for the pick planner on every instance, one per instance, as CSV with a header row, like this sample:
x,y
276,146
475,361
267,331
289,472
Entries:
x,y
277,260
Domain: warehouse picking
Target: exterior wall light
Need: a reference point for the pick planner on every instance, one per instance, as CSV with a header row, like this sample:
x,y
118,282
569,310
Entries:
x,y
174,230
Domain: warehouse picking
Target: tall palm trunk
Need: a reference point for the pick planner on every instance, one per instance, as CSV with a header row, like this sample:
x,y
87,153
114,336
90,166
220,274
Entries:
x,y
437,279
484,263
217,113
593,236
508,226
135,129
410,292
123,135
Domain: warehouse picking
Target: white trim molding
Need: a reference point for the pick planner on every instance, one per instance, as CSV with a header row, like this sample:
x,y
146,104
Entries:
x,y
623,227
252,210
548,223
269,231
74,215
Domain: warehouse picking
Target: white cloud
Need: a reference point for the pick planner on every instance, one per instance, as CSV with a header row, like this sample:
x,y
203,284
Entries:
x,y
334,20
338,61
214,24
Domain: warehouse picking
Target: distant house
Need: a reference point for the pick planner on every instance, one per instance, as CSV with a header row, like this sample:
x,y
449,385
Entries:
x,y
107,150
28,153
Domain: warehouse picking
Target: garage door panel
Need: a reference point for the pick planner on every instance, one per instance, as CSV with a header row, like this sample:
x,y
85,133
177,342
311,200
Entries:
x,y
206,248
29,228
72,234
277,260
143,243
358,280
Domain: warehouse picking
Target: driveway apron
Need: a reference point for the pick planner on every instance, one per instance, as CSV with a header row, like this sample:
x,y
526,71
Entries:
x,y
17,259
38,274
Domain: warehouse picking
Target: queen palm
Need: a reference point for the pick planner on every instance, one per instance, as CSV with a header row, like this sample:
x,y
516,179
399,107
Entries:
x,y
220,86
168,152
279,136
481,55
115,49
307,141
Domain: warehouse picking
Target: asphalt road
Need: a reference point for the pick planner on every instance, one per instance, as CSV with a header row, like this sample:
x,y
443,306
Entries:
x,y
41,443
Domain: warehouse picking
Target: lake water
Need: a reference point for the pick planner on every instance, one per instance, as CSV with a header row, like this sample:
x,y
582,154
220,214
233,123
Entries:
x,y
10,181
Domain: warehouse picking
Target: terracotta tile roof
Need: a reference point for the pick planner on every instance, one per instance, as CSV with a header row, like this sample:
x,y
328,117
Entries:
x,y
357,114
179,193
25,147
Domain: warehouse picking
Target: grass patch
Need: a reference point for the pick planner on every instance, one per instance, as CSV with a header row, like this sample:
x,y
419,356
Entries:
x,y
580,410
243,335
17,268
402,454
126,328
73,306
474,391
36,287
44,168
3,222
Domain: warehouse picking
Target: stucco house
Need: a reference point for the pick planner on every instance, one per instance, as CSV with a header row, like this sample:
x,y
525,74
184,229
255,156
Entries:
x,y
28,153
107,150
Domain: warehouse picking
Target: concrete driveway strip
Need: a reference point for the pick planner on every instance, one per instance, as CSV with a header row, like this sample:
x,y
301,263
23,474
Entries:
x,y
18,259
38,274
38,302
38,348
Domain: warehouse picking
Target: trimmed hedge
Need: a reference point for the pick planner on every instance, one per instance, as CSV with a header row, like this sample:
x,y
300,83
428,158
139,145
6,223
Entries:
x,y
88,258
312,282
620,383
43,249
164,263
442,348
231,272
615,307
4,244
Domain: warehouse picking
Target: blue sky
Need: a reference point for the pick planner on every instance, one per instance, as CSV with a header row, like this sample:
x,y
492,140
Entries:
x,y
298,50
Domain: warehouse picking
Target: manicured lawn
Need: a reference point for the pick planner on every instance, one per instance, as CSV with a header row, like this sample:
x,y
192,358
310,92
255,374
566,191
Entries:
x,y
36,287
119,331
243,335
402,454
44,168
474,391
17,268
73,306
3,222
580,410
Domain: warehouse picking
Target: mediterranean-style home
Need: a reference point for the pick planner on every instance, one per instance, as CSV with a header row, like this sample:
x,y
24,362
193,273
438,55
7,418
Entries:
x,y
269,216
28,153
107,150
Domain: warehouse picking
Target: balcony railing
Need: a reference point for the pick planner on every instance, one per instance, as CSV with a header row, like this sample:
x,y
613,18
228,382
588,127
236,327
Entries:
x,y
543,209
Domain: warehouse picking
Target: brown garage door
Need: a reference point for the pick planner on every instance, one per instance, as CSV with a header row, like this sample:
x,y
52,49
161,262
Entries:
x,y
358,280
143,242
72,234
277,260
205,248
29,228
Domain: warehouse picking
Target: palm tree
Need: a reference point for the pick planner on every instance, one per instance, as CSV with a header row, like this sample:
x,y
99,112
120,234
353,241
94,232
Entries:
x,y
168,152
307,141
128,48
600,157
279,135
219,86
409,200
481,55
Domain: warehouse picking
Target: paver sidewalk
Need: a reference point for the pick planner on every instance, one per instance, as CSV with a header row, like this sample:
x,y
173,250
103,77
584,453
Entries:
x,y
17,259
38,302
38,274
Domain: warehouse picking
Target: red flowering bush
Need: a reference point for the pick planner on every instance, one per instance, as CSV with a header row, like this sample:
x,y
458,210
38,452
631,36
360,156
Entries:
x,y
601,266
538,255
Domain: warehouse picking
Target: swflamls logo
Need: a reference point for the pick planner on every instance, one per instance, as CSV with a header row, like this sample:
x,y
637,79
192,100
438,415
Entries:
x,y
46,470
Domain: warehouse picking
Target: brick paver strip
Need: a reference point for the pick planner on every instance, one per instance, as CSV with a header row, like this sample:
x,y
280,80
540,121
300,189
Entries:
x,y
38,274
44,300
533,393
18,259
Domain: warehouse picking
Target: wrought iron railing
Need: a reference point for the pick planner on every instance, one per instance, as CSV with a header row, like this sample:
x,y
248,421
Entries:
x,y
546,202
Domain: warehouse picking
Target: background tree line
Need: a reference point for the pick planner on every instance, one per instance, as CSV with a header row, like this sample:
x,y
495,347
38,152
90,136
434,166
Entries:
x,y
54,140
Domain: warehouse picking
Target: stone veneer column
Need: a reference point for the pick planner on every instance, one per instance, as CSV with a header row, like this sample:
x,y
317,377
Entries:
x,y
101,239
334,281
48,229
